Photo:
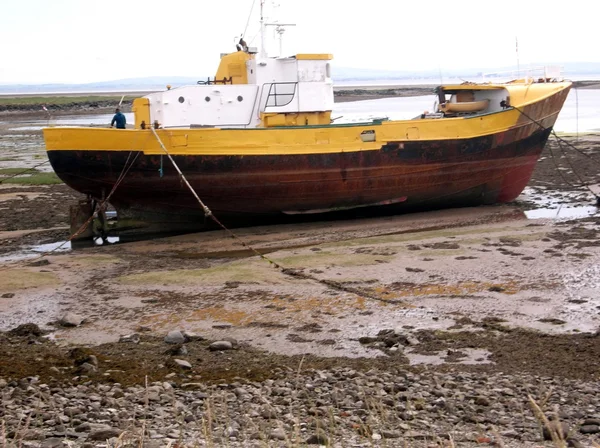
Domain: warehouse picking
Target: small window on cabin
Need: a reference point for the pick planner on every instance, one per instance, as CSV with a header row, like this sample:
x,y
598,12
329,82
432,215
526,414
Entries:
x,y
207,99
181,99
240,98
368,135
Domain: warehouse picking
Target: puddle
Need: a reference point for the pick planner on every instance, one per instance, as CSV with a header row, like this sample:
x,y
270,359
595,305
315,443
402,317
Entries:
x,y
560,205
470,356
562,212
59,247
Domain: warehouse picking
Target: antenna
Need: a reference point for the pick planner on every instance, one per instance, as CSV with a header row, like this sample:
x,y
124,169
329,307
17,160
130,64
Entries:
x,y
263,51
279,29
517,50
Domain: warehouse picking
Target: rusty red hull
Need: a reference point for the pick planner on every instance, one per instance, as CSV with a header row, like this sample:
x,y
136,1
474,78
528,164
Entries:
x,y
482,170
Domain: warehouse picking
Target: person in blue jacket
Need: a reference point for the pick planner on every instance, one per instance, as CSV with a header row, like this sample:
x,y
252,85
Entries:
x,y
119,118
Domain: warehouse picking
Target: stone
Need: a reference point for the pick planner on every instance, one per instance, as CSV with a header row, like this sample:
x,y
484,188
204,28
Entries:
x,y
190,336
183,363
70,320
28,329
390,434
277,434
556,427
591,421
133,338
318,438
589,429
88,368
104,434
482,401
174,337
220,345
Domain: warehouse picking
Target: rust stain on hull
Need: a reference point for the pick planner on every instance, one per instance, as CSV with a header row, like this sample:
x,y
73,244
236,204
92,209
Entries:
x,y
475,171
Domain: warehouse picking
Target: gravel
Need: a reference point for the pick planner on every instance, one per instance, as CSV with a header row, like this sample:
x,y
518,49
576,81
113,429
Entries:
x,y
339,406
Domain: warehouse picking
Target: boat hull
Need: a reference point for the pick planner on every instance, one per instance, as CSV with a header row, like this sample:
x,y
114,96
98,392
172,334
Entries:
x,y
401,175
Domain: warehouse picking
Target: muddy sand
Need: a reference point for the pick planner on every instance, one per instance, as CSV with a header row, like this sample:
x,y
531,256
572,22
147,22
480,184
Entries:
x,y
510,290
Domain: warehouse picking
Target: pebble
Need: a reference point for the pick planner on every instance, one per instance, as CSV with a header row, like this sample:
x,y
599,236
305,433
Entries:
x,y
221,345
183,363
590,429
133,338
174,337
70,320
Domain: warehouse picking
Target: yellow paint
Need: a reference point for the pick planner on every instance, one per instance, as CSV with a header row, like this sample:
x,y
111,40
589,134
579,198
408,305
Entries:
x,y
269,120
141,112
325,139
314,57
233,65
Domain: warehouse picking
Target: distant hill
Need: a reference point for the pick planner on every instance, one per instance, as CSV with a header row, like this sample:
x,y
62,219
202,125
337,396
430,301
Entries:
x,y
340,74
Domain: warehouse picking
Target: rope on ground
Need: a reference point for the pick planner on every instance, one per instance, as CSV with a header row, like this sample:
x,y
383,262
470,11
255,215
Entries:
x,y
85,225
24,171
286,271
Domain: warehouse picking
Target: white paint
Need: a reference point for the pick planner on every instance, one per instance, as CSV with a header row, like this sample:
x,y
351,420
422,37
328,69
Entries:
x,y
275,85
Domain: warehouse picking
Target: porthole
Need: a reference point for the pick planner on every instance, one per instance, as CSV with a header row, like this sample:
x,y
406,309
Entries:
x,y
207,99
181,99
240,98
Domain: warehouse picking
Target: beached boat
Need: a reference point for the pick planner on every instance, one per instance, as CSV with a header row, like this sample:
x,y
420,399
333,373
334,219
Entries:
x,y
258,139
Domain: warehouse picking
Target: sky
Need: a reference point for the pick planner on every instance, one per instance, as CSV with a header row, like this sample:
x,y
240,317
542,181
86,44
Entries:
x,y
81,41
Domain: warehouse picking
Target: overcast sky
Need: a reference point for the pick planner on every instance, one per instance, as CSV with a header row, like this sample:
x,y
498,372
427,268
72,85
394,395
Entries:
x,y
78,41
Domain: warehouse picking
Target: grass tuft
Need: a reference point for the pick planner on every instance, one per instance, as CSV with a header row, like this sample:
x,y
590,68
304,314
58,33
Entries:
x,y
35,179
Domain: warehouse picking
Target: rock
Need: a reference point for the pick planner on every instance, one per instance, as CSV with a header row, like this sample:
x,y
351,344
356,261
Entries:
x,y
277,434
70,320
8,295
482,401
182,363
53,442
390,434
221,345
174,337
104,434
589,429
133,338
591,421
88,368
190,336
177,350
27,329
574,443
318,438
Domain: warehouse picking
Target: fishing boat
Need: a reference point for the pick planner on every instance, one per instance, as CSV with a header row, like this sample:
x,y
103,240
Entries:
x,y
258,139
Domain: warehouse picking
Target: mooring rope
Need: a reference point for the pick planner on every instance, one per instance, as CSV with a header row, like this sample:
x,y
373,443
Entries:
x,y
286,271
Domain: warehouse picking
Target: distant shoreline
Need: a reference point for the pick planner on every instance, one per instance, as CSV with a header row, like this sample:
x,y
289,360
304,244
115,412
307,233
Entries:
x,y
85,102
